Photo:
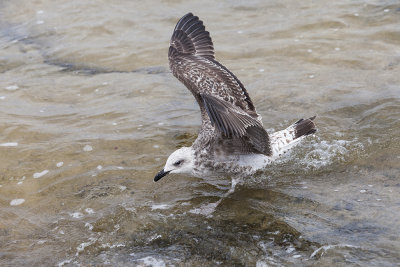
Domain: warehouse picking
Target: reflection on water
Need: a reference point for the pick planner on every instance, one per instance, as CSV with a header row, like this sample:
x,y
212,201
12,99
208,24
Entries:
x,y
89,112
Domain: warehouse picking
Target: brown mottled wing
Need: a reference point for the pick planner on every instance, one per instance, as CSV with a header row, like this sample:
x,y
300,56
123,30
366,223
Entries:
x,y
223,100
192,61
233,123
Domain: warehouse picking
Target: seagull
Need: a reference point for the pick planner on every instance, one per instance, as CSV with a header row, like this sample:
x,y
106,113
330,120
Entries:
x,y
232,139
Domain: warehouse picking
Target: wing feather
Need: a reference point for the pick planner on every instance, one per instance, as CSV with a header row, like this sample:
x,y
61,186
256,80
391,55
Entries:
x,y
232,122
190,38
224,102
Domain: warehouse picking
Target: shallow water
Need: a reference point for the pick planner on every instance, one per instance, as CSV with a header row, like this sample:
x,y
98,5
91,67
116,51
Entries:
x,y
89,113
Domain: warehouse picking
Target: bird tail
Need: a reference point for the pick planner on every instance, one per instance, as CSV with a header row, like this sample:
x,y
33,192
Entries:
x,y
284,140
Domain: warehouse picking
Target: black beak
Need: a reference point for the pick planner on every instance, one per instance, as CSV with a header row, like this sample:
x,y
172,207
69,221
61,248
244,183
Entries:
x,y
160,175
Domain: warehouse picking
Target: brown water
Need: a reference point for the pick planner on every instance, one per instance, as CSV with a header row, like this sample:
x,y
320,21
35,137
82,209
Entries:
x,y
89,107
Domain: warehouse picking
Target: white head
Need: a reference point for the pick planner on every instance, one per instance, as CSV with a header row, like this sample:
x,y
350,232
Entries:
x,y
181,161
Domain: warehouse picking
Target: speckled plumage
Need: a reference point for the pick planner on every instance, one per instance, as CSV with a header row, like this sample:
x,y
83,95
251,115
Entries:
x,y
232,138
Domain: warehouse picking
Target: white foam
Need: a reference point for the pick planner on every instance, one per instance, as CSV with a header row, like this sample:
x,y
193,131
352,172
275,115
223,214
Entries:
x,y
99,167
160,207
206,209
261,264
89,226
108,245
2,97
9,144
89,211
12,87
64,262
290,249
87,148
154,237
39,22
76,215
325,152
83,245
40,174
150,261
327,247
16,202
59,164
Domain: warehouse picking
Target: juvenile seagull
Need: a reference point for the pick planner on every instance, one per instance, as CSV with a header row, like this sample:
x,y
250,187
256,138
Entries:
x,y
232,138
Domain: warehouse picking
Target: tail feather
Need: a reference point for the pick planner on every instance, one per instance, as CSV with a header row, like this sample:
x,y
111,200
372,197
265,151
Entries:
x,y
304,127
283,141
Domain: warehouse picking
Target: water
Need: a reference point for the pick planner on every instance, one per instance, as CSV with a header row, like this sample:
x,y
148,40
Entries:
x,y
89,113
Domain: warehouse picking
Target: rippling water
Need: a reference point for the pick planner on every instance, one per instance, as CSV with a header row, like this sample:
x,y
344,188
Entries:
x,y
89,113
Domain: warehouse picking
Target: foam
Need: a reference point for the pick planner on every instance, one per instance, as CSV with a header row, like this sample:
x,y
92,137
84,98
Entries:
x,y
40,174
327,247
76,215
325,152
12,87
89,211
9,144
151,261
89,226
64,262
206,209
83,245
160,207
87,148
16,202
108,245
261,264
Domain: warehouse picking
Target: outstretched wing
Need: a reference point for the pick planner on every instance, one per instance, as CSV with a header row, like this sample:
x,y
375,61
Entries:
x,y
192,61
223,100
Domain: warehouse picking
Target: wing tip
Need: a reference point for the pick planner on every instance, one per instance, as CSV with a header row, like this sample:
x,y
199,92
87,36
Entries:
x,y
190,37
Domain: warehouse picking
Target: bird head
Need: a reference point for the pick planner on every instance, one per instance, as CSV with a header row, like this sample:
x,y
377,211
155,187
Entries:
x,y
180,161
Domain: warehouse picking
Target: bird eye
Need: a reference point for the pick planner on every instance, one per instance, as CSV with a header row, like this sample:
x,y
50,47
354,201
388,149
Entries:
x,y
179,162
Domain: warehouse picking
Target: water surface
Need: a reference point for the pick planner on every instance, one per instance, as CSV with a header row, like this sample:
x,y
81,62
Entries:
x,y
89,112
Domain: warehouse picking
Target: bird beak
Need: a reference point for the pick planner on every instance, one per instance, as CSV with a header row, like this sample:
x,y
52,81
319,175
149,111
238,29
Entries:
x,y
160,175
